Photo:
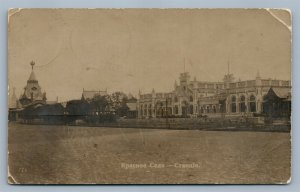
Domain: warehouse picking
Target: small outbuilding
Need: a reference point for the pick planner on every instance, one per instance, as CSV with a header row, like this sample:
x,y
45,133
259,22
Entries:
x,y
277,102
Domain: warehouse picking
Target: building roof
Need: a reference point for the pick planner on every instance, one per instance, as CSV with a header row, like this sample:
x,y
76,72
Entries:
x,y
283,93
131,106
32,77
35,104
132,100
51,102
90,94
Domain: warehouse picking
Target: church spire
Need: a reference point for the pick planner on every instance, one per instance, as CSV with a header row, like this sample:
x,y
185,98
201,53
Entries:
x,y
32,77
32,63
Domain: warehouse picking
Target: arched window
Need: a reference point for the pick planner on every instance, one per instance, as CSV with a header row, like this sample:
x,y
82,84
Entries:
x,y
201,110
191,109
252,103
233,104
169,111
160,109
175,99
242,103
214,109
176,109
207,109
145,110
149,110
141,110
191,99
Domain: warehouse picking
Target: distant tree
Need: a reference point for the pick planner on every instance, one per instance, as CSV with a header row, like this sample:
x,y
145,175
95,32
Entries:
x,y
119,103
100,103
123,110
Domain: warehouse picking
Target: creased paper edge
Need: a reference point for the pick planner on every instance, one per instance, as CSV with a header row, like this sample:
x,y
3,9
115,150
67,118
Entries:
x,y
12,11
289,27
10,179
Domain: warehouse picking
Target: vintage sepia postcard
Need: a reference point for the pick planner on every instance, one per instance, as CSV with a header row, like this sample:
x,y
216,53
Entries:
x,y
149,96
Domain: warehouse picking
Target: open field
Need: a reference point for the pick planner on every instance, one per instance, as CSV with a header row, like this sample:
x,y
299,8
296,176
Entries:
x,y
73,154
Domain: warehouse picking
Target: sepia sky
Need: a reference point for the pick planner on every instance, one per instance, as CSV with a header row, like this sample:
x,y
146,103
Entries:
x,y
128,50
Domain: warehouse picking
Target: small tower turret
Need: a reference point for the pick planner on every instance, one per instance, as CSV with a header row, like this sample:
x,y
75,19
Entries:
x,y
175,84
258,75
153,93
258,79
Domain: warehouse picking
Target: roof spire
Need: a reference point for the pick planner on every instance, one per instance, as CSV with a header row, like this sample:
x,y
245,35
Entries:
x,y
184,65
257,75
228,69
32,63
32,75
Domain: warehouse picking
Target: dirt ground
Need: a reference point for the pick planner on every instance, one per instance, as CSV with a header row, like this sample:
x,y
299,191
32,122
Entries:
x,y
40,154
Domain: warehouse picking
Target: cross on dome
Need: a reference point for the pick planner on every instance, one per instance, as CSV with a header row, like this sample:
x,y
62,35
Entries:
x,y
32,75
32,63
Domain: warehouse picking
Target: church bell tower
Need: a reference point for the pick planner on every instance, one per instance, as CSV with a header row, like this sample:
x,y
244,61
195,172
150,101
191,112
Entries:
x,y
32,90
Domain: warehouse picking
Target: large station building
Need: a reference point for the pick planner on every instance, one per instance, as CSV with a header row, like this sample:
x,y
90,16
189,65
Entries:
x,y
192,98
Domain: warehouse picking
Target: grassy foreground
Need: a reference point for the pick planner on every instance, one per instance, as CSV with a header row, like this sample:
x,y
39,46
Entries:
x,y
74,154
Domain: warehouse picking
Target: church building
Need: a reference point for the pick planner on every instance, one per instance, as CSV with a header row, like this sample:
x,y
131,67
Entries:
x,y
32,91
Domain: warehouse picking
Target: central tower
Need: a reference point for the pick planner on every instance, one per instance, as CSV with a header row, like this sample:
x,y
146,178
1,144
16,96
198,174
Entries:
x,y
184,78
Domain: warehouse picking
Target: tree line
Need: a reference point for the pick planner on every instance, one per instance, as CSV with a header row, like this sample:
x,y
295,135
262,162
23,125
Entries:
x,y
106,108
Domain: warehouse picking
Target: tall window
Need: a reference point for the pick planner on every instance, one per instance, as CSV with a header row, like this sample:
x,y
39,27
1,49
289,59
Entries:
x,y
150,110
142,110
214,109
175,99
207,109
191,109
252,103
242,103
191,99
233,104
176,109
201,110
145,110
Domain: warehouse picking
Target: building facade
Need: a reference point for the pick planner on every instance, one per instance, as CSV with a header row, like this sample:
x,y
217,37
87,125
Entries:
x,y
192,98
